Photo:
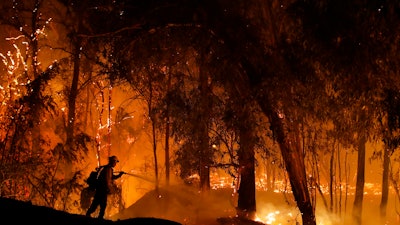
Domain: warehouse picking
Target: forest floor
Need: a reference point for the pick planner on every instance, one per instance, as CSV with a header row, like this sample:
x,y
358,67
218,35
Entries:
x,y
19,212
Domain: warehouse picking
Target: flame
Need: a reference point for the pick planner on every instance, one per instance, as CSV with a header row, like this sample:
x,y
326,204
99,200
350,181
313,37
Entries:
x,y
270,218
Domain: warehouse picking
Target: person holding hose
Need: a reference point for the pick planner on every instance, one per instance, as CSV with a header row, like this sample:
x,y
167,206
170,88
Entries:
x,y
104,187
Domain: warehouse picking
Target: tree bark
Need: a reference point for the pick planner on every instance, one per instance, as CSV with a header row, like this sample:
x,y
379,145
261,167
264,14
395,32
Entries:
x,y
385,181
359,196
34,44
77,41
247,187
204,147
153,130
73,93
167,130
289,143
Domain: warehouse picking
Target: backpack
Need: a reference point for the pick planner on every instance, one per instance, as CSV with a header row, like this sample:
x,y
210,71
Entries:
x,y
93,179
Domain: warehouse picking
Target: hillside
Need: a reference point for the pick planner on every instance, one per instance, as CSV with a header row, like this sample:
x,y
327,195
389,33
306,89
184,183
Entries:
x,y
18,212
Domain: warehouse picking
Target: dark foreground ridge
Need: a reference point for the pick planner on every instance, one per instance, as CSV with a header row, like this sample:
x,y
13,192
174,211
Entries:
x,y
19,212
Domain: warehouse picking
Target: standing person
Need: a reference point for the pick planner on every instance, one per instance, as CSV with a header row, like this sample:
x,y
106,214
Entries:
x,y
104,187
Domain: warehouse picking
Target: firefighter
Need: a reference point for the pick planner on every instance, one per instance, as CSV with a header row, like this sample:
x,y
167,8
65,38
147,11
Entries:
x,y
104,187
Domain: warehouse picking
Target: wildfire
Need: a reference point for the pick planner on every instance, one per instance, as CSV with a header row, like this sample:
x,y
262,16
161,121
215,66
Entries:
x,y
272,213
269,218
272,216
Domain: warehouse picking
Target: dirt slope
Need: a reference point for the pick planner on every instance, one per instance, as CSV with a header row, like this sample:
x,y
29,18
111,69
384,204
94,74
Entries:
x,y
17,212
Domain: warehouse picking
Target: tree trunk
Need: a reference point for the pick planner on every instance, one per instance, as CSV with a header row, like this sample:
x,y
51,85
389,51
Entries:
x,y
73,92
247,187
359,196
153,130
204,114
332,172
289,143
167,123
167,149
385,181
34,44
154,133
